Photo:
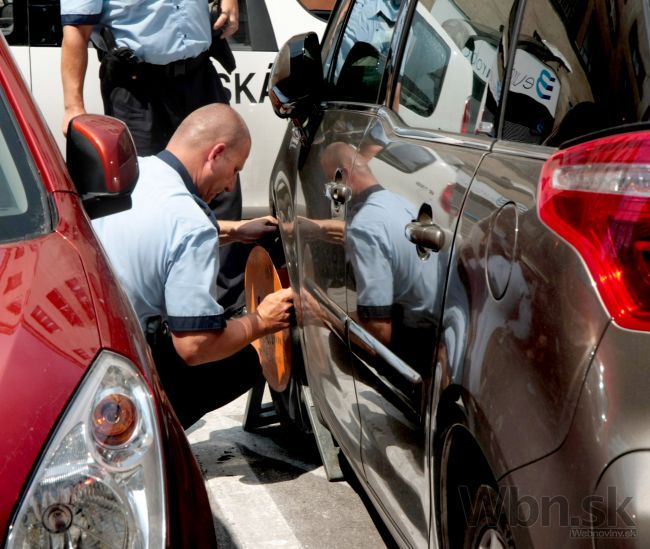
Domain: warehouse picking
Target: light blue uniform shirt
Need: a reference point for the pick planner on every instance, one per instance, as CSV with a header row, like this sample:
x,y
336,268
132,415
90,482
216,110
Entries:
x,y
165,249
386,266
158,31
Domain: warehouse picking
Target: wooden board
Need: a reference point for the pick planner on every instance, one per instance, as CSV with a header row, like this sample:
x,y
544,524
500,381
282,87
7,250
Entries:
x,y
274,350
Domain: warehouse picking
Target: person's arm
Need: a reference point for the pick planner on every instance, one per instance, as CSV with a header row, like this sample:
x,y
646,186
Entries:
x,y
74,61
229,18
200,347
247,231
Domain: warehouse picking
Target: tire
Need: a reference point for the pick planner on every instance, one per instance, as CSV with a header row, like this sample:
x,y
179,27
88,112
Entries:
x,y
488,525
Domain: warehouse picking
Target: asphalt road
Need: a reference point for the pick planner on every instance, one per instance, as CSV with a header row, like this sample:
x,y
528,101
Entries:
x,y
268,490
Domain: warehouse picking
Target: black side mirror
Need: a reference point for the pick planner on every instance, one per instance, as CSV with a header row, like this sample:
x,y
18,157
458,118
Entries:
x,y
296,77
102,162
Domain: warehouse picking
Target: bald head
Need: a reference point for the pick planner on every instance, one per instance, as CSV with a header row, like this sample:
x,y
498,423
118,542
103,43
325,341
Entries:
x,y
209,125
213,144
343,157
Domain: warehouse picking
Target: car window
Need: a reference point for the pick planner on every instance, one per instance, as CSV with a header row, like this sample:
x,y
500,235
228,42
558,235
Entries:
x,y
579,70
255,32
359,64
452,66
22,202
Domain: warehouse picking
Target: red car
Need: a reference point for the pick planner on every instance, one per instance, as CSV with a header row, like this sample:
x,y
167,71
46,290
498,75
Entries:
x,y
91,453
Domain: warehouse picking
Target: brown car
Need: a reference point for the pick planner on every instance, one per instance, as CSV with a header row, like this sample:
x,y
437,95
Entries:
x,y
464,198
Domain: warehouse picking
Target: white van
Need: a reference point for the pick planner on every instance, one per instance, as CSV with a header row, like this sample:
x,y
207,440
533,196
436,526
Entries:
x,y
33,30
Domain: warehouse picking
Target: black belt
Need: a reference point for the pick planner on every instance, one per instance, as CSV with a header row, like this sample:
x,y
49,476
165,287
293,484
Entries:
x,y
176,68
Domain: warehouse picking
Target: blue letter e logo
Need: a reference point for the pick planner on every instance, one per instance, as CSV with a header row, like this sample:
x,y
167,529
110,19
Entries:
x,y
544,83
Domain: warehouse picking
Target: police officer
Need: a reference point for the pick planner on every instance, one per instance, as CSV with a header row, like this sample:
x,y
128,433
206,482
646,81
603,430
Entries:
x,y
156,72
162,70
164,251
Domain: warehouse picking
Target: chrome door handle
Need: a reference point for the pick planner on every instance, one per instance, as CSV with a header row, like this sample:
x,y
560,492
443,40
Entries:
x,y
426,234
338,193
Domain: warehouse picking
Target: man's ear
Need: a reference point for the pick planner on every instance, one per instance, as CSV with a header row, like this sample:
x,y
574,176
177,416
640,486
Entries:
x,y
216,150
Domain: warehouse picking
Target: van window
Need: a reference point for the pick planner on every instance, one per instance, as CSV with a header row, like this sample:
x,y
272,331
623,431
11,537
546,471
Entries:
x,y
255,32
363,51
451,72
6,16
579,71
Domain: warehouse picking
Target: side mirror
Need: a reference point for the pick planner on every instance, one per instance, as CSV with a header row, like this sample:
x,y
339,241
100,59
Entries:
x,y
296,77
102,162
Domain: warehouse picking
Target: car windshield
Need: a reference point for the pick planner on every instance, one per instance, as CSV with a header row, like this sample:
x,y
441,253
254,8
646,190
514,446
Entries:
x,y
22,200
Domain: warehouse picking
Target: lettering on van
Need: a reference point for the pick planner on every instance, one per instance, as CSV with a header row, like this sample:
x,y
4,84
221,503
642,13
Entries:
x,y
482,58
246,88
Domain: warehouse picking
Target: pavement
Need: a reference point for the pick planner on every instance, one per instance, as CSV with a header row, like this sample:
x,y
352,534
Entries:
x,y
269,490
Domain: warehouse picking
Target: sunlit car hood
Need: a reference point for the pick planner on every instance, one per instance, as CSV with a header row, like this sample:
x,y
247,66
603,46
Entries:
x,y
48,339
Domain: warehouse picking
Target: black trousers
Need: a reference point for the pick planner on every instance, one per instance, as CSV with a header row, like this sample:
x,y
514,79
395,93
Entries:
x,y
153,105
196,390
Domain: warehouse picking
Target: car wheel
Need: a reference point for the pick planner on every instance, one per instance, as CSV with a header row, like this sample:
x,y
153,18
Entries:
x,y
488,525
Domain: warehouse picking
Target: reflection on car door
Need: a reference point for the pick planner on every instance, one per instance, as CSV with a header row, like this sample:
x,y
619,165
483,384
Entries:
x,y
395,294
323,197
415,171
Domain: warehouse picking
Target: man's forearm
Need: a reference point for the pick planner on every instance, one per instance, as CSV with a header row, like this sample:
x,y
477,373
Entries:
x,y
74,61
209,346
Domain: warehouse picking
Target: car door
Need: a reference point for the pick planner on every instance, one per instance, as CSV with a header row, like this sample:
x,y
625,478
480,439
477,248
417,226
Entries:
x,y
410,176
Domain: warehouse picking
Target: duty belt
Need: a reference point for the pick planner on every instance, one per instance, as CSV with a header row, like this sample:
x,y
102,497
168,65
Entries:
x,y
176,68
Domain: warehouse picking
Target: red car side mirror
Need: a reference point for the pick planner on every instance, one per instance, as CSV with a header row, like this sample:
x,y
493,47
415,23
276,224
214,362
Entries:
x,y
102,162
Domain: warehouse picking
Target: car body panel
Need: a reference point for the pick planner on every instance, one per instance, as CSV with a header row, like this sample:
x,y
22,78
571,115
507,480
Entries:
x,y
48,334
59,305
519,326
394,430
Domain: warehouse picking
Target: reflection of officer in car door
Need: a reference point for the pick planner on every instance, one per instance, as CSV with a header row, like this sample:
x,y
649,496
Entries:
x,y
158,70
396,291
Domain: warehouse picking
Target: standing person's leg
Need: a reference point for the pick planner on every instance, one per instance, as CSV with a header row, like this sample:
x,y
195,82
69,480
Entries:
x,y
133,99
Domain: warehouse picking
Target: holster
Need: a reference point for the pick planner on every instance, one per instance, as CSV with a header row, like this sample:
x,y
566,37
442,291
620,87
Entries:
x,y
219,48
116,64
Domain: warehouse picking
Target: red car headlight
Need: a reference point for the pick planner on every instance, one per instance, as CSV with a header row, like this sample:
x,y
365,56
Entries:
x,y
100,482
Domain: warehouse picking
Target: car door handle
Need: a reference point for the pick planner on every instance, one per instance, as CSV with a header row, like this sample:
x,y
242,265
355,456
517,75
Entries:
x,y
426,234
339,193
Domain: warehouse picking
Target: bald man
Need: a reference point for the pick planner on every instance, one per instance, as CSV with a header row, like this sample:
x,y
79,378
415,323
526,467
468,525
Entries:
x,y
165,253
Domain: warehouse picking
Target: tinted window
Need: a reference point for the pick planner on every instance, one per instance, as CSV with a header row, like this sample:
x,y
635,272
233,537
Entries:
x,y
255,32
363,50
22,211
450,77
579,71
6,17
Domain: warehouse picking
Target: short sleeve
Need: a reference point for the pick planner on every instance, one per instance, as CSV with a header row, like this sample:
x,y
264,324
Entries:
x,y
81,12
191,283
370,258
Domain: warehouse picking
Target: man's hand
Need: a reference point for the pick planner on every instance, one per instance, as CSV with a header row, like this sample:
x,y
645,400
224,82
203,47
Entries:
x,y
69,114
274,311
248,231
229,18
251,231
